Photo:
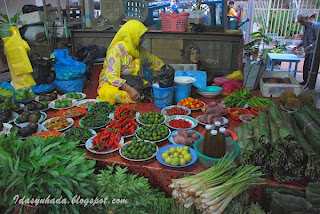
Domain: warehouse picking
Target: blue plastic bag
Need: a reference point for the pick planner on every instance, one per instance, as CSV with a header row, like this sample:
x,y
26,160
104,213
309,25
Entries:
x,y
147,74
66,68
43,88
200,76
7,85
66,86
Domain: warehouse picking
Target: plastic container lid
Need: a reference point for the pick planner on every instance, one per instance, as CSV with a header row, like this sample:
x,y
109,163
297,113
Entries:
x,y
214,89
217,123
214,132
222,130
183,80
208,127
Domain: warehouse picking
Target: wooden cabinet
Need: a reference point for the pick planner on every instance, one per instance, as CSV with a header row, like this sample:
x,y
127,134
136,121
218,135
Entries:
x,y
219,52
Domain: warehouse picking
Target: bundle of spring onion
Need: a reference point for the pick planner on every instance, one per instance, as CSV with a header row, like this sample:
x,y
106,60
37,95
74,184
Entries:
x,y
212,190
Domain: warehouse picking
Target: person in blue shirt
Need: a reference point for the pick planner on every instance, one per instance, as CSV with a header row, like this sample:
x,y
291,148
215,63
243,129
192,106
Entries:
x,y
308,42
175,6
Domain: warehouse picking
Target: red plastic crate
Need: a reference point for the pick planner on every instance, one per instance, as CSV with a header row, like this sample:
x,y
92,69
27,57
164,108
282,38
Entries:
x,y
174,22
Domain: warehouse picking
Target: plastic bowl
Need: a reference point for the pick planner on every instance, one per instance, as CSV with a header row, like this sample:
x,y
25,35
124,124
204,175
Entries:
x,y
214,89
256,109
237,116
232,152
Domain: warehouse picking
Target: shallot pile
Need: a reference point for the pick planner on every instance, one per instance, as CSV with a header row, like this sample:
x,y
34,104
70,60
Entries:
x,y
185,137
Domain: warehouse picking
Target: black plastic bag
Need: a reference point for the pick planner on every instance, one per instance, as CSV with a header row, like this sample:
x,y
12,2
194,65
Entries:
x,y
88,55
166,76
29,8
43,72
136,82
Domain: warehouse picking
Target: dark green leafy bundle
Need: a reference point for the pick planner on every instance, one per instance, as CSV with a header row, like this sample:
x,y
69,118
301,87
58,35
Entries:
x,y
37,168
246,143
313,161
78,134
264,128
116,182
314,113
309,128
284,131
275,146
102,108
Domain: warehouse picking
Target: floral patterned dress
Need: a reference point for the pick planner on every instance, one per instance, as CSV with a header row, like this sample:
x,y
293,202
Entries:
x,y
118,62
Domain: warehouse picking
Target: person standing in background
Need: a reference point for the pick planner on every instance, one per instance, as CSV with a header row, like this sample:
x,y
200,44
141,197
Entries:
x,y
175,6
231,10
308,42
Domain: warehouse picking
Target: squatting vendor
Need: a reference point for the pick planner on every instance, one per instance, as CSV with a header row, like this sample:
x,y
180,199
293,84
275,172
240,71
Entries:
x,y
125,56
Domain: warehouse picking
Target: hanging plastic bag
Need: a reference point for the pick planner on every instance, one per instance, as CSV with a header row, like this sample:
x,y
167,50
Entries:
x,y
43,88
66,68
200,76
43,72
70,86
166,76
15,49
235,75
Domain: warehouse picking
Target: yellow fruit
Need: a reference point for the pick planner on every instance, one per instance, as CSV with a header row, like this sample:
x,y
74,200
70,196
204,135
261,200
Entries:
x,y
184,152
165,155
172,150
182,162
175,154
168,160
179,149
188,157
175,161
186,148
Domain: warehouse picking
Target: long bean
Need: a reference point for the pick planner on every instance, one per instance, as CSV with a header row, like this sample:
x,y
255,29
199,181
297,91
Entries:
x,y
93,120
102,108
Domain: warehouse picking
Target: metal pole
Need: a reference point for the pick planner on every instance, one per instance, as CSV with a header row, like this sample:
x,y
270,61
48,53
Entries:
x,y
250,23
268,17
315,63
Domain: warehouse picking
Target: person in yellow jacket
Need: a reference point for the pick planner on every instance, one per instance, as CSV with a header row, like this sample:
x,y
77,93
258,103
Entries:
x,y
231,10
125,55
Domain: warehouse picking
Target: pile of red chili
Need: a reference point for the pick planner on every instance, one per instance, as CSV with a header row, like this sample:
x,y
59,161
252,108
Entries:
x,y
176,111
180,123
124,112
124,125
106,140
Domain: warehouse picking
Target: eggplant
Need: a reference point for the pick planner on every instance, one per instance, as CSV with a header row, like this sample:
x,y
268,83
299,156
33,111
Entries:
x,y
32,107
25,132
53,96
40,106
33,126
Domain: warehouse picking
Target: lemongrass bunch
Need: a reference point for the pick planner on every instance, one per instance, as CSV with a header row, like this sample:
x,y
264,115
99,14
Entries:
x,y
213,189
187,189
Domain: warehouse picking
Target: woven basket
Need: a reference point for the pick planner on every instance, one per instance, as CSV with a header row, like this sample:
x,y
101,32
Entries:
x,y
137,10
112,10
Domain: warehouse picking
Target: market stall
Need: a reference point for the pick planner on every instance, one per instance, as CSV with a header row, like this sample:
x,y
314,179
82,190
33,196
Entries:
x,y
157,171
